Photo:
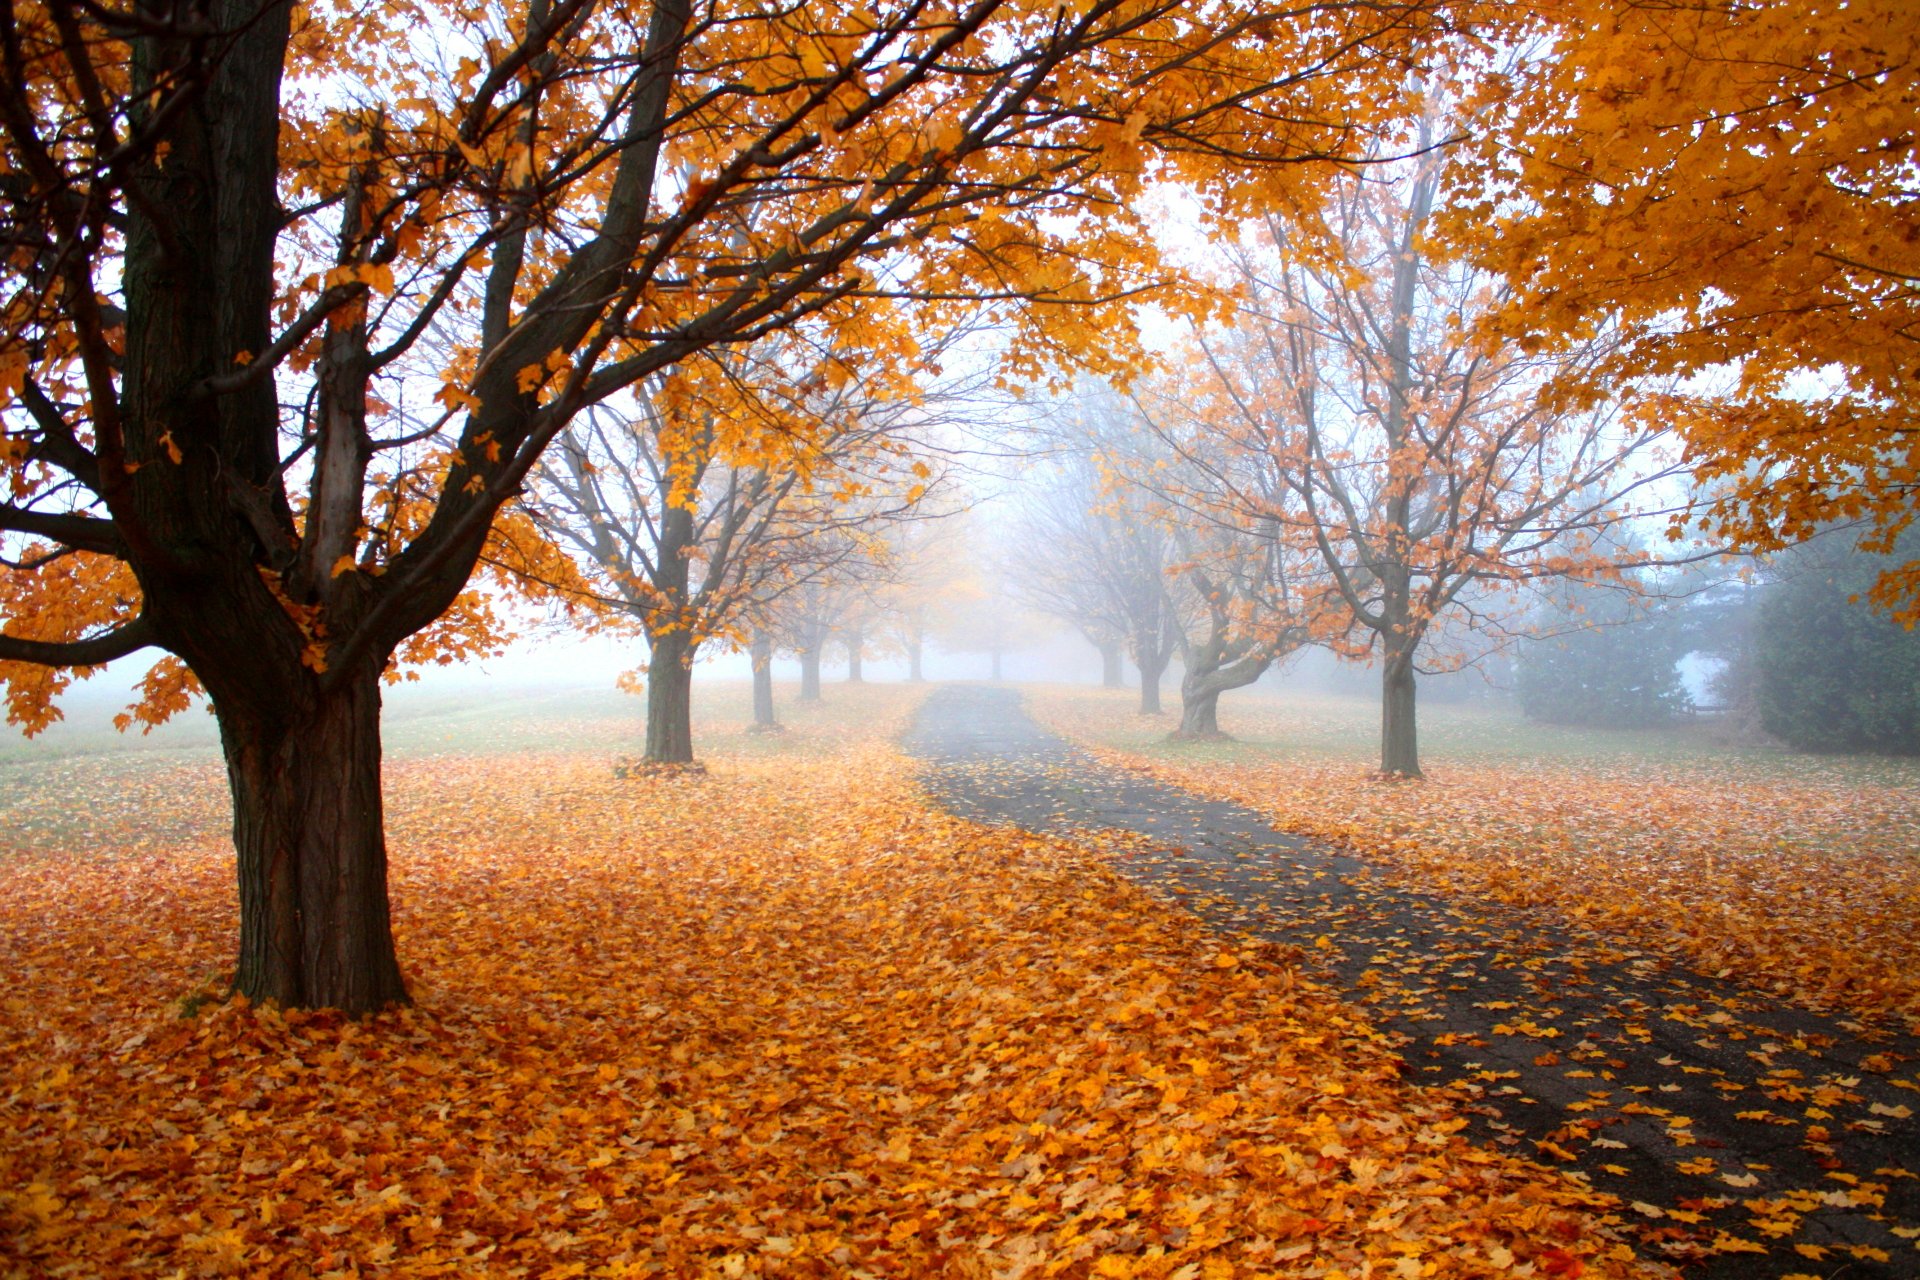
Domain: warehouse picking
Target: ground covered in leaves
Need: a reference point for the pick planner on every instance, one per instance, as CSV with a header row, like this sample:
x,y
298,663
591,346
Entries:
x,y
1797,874
783,1018
1743,1136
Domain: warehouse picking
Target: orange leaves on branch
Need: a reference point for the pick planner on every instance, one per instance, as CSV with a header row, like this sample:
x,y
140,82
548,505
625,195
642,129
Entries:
x,y
67,597
167,689
1734,186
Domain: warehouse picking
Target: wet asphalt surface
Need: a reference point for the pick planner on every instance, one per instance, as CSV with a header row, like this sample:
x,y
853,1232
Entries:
x,y
1717,1115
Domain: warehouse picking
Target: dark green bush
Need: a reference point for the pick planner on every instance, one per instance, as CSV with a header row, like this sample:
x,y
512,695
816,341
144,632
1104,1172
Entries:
x,y
1619,671
1834,675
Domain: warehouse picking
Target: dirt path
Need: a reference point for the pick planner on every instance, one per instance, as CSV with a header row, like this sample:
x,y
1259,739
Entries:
x,y
1782,1137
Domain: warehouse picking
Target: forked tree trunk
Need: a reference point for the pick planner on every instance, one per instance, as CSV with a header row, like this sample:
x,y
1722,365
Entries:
x,y
670,700
1112,674
1202,685
1399,736
1200,715
307,825
810,674
761,651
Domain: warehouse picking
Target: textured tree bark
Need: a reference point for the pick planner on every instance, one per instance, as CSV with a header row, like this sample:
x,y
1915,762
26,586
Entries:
x,y
1399,735
810,674
1200,715
302,751
761,651
307,826
670,700
270,611
1206,679
1112,674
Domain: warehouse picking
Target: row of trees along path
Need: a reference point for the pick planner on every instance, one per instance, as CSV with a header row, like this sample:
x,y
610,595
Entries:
x,y
1682,1094
295,316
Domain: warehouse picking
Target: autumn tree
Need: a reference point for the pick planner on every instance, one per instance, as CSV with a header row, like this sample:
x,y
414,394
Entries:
x,y
858,623
1250,609
980,612
1059,544
1089,551
837,573
1248,594
926,565
699,499
232,225
1423,464
1734,185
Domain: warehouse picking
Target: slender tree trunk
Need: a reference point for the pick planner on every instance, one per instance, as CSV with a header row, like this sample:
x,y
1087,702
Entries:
x,y
1399,747
1152,664
1399,737
670,700
915,672
810,674
1152,651
761,652
1150,693
856,644
307,826
1112,674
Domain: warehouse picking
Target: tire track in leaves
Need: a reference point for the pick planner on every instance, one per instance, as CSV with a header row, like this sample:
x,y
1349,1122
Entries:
x,y
1743,1137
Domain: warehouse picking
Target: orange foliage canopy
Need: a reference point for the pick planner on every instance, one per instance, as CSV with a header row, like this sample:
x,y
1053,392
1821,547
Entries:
x,y
300,295
1736,184
550,204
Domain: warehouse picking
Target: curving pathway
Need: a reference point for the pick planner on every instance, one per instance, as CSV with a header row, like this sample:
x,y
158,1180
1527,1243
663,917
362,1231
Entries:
x,y
1744,1138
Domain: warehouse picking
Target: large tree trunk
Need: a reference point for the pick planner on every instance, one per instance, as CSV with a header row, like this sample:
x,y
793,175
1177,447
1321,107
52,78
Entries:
x,y
1200,714
810,674
1206,679
856,644
761,651
1112,674
670,700
1399,737
307,826
287,636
